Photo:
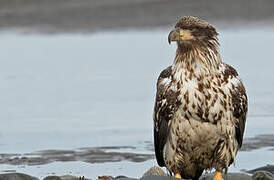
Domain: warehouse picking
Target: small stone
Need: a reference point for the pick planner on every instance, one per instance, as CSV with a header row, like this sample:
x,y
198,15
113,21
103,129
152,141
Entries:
x,y
230,176
65,177
157,177
155,170
69,177
262,175
52,178
268,168
105,178
16,176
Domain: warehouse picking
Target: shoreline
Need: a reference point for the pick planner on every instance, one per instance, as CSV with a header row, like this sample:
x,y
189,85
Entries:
x,y
105,154
89,16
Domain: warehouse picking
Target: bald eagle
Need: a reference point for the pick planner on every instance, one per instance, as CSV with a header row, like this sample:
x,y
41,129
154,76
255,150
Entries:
x,y
201,105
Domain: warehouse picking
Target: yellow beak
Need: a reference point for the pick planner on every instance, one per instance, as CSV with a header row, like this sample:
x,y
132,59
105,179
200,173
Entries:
x,y
180,35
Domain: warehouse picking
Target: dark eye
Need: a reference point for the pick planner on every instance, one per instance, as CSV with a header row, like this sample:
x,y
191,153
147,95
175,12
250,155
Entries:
x,y
198,32
201,31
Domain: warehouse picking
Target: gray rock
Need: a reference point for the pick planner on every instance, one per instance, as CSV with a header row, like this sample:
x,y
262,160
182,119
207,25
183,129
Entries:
x,y
262,175
115,178
157,177
155,170
16,176
52,178
268,168
156,173
229,176
65,177
69,177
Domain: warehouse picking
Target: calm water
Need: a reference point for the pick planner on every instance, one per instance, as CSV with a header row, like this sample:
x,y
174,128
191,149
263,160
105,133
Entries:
x,y
71,91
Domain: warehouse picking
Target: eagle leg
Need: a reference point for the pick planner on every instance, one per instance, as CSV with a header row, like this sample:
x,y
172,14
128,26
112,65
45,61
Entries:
x,y
178,176
218,176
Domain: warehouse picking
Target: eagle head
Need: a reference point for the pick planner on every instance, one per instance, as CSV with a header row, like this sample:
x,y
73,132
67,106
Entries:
x,y
190,31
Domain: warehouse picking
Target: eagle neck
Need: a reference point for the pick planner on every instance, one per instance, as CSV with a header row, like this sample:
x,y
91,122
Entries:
x,y
195,63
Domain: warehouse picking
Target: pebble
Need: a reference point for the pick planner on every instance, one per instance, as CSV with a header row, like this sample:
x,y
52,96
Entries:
x,y
154,173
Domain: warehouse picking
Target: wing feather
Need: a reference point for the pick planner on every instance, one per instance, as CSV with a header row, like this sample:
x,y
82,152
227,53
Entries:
x,y
239,103
164,108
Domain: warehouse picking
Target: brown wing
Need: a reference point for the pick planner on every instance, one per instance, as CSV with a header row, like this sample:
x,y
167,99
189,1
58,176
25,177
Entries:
x,y
239,101
240,104
165,105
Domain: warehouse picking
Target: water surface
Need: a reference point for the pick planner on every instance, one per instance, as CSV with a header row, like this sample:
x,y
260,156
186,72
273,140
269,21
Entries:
x,y
71,91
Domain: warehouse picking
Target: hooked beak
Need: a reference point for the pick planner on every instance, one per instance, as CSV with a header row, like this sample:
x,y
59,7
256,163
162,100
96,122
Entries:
x,y
180,35
174,35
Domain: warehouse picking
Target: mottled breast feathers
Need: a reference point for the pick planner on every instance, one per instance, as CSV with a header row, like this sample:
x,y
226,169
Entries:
x,y
167,104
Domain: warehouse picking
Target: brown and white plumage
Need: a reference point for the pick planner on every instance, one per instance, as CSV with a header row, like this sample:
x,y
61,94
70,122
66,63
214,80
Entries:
x,y
201,105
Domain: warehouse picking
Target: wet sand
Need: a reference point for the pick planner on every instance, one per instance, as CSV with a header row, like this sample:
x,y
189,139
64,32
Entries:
x,y
89,155
93,15
109,153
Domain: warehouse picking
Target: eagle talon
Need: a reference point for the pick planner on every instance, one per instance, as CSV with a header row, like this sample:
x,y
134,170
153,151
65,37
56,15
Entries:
x,y
218,176
178,176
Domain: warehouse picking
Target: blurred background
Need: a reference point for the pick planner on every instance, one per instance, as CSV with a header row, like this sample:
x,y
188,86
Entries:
x,y
78,80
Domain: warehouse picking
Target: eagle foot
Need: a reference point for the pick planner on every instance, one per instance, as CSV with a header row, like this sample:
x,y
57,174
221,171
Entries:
x,y
178,176
218,176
